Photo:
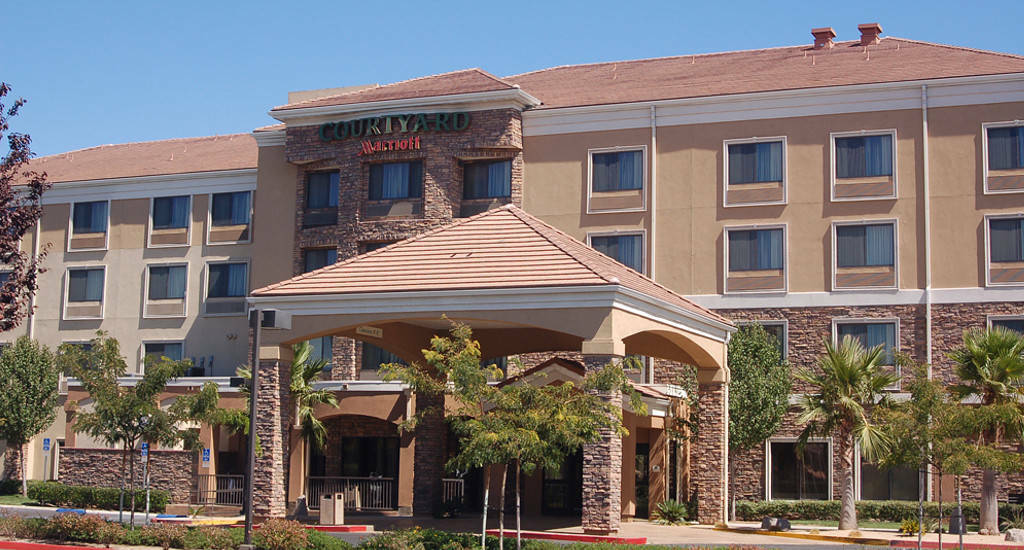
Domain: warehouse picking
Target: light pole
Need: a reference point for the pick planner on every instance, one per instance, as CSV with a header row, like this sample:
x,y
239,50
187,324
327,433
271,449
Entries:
x,y
255,318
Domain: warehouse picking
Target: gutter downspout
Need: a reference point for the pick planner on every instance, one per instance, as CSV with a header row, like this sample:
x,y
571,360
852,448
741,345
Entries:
x,y
32,298
925,172
654,212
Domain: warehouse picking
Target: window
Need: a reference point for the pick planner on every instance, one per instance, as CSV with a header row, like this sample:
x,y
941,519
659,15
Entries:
x,y
799,475
370,457
228,280
374,357
485,180
864,156
1015,324
322,349
396,180
865,245
888,483
755,249
626,249
778,329
89,217
1006,148
171,350
871,334
322,190
755,162
85,285
167,282
315,258
1006,239
369,247
230,208
617,171
171,212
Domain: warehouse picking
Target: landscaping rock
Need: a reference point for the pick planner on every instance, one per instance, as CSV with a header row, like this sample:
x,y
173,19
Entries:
x,y
775,524
1015,535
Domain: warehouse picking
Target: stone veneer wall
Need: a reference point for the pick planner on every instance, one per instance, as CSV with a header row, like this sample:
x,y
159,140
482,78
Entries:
x,y
170,470
12,457
602,468
273,426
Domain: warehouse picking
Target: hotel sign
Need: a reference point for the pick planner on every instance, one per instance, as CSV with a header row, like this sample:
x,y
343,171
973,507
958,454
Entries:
x,y
394,125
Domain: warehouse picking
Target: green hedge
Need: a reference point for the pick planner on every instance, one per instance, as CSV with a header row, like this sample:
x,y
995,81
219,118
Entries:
x,y
878,510
101,498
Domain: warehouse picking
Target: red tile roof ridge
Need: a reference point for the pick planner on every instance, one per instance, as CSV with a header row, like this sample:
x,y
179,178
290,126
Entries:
x,y
954,47
130,143
478,70
376,252
580,370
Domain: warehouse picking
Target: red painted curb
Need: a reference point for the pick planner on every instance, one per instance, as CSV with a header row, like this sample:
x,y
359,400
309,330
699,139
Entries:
x,y
11,545
571,537
340,528
953,544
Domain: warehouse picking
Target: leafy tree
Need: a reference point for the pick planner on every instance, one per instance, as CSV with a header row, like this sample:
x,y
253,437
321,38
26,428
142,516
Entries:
x,y
126,415
29,382
846,386
20,191
990,365
759,389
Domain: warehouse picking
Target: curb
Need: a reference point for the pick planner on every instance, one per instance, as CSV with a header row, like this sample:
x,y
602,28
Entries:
x,y
954,544
13,545
867,541
570,537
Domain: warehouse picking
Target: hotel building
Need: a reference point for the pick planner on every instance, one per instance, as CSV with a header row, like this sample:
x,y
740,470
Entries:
x,y
871,187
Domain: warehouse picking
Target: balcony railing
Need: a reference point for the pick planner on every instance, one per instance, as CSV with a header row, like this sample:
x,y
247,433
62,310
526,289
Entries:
x,y
228,490
362,494
453,490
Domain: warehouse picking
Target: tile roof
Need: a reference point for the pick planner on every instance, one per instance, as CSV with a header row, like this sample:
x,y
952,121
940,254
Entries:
x,y
580,370
150,158
501,248
787,68
456,82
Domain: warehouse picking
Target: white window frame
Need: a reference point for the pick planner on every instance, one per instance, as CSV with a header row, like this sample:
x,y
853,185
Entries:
x,y
71,229
590,177
785,256
188,227
895,253
725,170
145,290
784,323
768,462
622,233
863,133
984,154
142,351
836,321
204,296
858,482
1002,317
209,217
988,245
67,292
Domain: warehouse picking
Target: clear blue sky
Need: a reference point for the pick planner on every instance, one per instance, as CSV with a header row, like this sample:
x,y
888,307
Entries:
x,y
104,72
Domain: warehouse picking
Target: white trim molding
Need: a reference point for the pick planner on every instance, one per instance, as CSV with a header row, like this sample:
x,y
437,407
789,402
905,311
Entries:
x,y
755,227
71,228
725,170
876,297
205,286
209,217
269,138
832,164
144,187
836,321
829,448
985,126
644,185
995,317
895,252
988,247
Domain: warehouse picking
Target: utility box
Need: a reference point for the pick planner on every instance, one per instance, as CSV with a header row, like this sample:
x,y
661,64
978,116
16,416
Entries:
x,y
332,509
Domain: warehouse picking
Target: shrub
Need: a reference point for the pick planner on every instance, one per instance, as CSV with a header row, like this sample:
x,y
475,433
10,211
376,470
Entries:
x,y
75,527
281,534
671,512
211,537
10,487
165,535
880,510
321,541
110,533
102,498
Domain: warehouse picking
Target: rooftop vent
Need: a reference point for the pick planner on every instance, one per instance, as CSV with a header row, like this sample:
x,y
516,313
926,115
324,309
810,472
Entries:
x,y
823,37
869,33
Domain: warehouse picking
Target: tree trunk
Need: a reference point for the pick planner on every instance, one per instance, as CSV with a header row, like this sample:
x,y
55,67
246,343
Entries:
x,y
487,493
501,508
732,487
120,499
940,514
989,507
848,507
24,476
519,525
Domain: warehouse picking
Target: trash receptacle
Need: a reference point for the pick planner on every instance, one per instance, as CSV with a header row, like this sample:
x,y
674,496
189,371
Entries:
x,y
332,509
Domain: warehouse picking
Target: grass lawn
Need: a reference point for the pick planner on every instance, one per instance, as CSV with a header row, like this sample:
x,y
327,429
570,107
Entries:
x,y
15,499
860,524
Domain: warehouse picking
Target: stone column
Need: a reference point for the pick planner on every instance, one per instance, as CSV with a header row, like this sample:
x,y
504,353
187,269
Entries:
x,y
602,468
13,456
273,416
429,453
710,463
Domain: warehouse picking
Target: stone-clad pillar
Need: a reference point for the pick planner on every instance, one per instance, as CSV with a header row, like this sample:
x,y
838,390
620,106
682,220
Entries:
x,y
602,468
429,455
273,417
712,454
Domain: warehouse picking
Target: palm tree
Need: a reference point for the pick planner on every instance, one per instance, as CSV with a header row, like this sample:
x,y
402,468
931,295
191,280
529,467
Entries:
x,y
990,365
847,385
305,397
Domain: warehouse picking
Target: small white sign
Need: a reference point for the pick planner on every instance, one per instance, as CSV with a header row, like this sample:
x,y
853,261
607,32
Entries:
x,y
370,331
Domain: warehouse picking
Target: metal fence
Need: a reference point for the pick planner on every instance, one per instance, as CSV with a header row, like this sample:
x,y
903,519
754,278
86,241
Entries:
x,y
453,490
228,490
361,493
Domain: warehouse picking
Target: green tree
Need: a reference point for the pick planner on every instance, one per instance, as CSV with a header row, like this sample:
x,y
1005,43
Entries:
x,y
759,386
848,383
990,365
29,384
126,415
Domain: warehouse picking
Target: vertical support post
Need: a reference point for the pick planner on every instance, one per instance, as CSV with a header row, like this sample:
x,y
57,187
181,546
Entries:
x,y
429,453
602,468
711,467
250,463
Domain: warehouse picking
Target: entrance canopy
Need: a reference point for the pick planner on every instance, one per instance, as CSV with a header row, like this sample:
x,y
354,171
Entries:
x,y
522,285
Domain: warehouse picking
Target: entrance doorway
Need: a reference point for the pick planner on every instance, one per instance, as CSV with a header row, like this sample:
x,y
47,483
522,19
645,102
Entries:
x,y
642,465
562,490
